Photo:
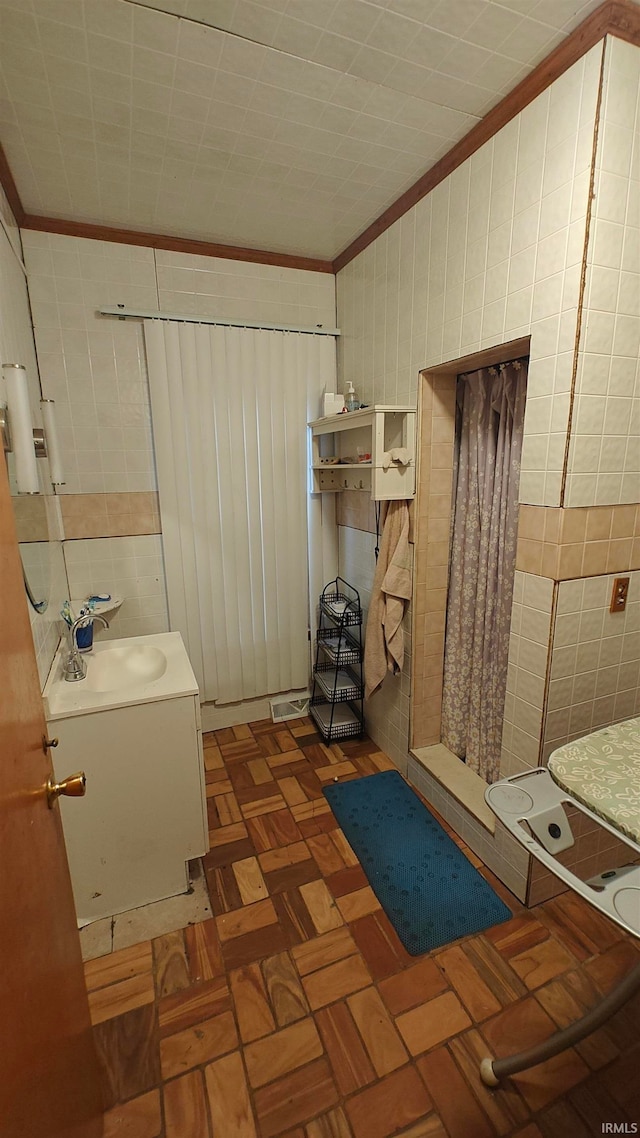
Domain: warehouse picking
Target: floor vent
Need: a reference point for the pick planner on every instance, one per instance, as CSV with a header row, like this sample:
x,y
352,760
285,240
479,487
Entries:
x,y
283,708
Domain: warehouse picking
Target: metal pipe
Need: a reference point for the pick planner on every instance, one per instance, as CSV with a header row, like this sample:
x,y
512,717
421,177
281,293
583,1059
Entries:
x,y
493,1070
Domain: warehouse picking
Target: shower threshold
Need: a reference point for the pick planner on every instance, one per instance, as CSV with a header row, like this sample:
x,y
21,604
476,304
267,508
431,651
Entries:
x,y
458,780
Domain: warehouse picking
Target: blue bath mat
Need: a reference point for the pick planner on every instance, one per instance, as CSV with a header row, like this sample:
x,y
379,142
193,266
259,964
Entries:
x,y
427,887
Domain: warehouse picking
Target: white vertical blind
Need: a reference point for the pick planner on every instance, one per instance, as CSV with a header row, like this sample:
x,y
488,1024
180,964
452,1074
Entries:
x,y
229,408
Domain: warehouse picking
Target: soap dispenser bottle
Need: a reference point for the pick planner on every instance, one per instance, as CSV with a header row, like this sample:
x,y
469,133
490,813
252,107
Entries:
x,y
350,399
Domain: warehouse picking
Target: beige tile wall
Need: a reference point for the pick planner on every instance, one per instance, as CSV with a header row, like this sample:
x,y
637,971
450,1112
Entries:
x,y
433,519
356,510
30,513
110,515
583,542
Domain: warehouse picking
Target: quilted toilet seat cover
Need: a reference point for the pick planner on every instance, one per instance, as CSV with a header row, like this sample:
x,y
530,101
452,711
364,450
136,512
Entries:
x,y
602,771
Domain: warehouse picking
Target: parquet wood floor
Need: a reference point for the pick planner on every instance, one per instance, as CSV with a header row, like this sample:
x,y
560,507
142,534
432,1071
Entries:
x,y
295,1012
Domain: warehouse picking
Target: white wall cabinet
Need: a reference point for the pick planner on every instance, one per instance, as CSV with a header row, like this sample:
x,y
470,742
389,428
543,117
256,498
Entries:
x,y
375,431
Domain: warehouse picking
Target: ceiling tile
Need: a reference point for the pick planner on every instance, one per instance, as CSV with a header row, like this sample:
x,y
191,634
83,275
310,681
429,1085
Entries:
x,y
531,43
372,64
153,66
286,124
255,22
155,30
429,47
320,15
456,16
106,85
199,43
67,12
297,37
115,21
494,24
335,51
150,96
62,39
464,60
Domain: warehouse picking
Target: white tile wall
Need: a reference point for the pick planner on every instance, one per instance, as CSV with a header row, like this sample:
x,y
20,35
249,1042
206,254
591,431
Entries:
x,y
604,454
95,369
17,346
131,567
595,661
492,254
239,290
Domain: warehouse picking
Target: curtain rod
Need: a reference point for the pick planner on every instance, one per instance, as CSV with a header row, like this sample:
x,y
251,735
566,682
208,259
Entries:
x,y
487,367
139,314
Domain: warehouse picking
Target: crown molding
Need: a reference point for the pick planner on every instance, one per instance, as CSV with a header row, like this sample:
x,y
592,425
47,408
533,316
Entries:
x,y
625,21
620,18
172,244
10,188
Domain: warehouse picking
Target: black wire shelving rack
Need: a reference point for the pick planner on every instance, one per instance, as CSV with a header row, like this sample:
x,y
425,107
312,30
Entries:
x,y
337,697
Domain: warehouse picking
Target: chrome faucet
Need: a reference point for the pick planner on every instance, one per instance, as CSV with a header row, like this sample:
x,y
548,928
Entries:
x,y
75,668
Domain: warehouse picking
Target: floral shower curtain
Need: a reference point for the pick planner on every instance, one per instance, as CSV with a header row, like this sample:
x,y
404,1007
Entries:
x,y
483,552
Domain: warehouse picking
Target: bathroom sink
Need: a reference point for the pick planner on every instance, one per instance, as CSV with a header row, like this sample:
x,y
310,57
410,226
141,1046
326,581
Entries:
x,y
122,667
130,670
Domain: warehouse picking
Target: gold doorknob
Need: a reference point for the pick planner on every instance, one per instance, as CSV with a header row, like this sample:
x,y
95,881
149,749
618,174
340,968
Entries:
x,y
75,786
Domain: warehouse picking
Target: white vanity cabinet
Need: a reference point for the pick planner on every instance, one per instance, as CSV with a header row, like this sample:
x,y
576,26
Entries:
x,y
375,431
144,813
143,816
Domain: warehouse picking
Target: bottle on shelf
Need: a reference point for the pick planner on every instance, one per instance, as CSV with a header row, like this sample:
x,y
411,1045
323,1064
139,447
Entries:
x,y
351,401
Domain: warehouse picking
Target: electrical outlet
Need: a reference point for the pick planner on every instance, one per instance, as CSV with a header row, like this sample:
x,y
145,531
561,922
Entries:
x,y
619,594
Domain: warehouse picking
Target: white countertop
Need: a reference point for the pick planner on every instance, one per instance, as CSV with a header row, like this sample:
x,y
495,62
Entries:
x,y
63,699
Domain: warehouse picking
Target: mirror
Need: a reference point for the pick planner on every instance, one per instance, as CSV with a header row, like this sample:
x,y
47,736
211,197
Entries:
x,y
32,526
37,515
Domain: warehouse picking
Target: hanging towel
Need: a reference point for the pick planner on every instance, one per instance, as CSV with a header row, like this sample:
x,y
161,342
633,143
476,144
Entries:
x,y
398,456
384,644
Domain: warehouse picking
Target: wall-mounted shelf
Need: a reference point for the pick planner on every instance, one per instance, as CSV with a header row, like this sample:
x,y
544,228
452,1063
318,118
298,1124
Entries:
x,y
100,608
376,431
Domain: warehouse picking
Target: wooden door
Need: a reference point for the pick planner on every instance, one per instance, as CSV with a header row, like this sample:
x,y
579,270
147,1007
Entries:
x,y
49,1082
